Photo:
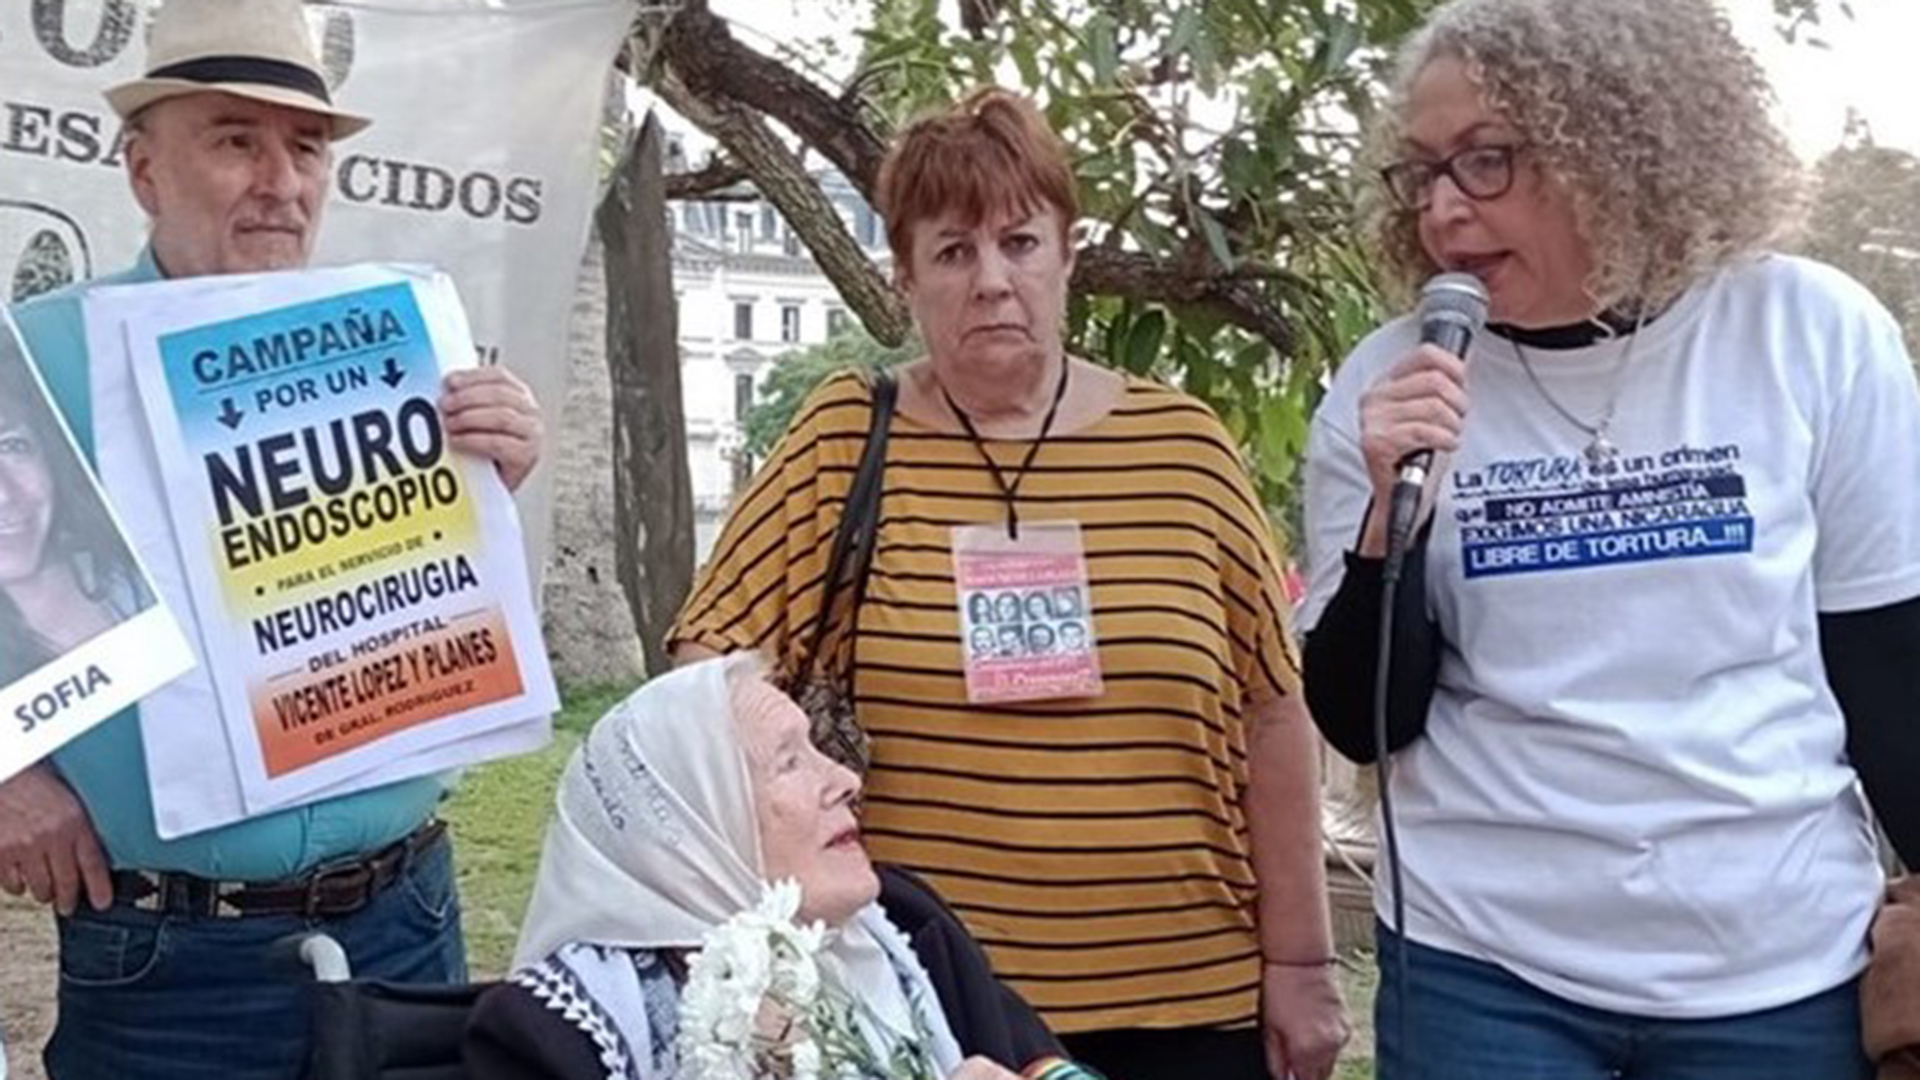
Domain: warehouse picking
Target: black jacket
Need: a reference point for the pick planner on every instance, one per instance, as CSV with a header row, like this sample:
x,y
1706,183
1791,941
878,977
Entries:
x,y
513,1036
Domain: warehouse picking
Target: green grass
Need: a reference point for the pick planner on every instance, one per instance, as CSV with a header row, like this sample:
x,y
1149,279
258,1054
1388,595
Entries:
x,y
1358,980
499,817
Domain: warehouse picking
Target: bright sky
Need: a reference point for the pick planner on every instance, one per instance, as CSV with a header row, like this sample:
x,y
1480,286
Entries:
x,y
1868,65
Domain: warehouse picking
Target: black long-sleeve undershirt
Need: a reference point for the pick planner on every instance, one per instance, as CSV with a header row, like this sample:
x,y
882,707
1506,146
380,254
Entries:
x,y
1872,660
1873,665
1342,656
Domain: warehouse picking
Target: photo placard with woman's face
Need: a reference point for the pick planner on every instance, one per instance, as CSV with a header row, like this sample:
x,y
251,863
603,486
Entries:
x,y
81,633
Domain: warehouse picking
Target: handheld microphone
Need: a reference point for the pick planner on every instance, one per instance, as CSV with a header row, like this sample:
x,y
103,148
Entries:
x,y
1453,308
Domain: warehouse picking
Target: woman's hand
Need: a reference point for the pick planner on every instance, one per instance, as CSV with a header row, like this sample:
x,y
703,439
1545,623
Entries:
x,y
979,1068
1419,404
1304,1020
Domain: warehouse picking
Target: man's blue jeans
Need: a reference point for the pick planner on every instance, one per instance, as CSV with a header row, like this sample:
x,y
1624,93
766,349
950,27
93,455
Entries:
x,y
1470,1020
160,997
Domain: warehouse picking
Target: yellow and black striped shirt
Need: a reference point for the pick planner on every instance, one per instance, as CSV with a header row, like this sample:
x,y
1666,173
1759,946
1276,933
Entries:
x,y
1095,846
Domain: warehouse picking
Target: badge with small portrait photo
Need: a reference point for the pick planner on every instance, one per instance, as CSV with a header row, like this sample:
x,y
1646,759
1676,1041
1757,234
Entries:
x,y
1026,613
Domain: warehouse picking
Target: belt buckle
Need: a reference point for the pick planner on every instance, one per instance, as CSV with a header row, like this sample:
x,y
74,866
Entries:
x,y
224,901
153,897
359,871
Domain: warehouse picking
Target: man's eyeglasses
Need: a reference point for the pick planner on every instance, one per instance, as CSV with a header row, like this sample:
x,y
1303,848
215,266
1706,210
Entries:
x,y
1480,172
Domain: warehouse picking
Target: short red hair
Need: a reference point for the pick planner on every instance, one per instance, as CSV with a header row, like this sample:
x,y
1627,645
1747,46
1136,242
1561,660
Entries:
x,y
991,154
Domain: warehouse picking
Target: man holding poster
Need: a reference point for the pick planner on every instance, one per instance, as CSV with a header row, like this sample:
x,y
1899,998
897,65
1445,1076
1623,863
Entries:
x,y
361,591
164,969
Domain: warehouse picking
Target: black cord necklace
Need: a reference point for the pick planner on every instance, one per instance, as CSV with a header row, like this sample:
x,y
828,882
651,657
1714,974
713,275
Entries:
x,y
1012,490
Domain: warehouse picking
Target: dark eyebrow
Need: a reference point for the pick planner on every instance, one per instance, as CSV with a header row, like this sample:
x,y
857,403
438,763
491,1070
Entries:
x,y
1462,141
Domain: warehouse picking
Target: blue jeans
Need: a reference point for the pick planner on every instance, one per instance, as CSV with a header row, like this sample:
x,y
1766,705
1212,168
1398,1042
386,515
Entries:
x,y
1470,1020
160,996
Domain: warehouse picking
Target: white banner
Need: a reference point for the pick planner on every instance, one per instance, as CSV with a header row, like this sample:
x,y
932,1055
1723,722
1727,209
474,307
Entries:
x,y
482,158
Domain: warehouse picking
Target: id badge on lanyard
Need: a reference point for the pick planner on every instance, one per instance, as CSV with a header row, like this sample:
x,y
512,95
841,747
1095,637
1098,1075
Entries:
x,y
1026,612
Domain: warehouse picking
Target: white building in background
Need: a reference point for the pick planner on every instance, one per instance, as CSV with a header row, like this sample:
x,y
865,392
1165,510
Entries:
x,y
748,292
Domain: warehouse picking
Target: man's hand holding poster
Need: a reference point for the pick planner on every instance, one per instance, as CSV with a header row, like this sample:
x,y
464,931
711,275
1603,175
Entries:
x,y
361,591
81,635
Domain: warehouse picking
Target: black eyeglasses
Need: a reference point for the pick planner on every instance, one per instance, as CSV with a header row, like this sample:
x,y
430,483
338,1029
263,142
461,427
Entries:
x,y
1480,172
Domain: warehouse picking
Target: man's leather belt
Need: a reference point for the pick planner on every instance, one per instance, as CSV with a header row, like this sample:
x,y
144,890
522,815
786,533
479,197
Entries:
x,y
334,889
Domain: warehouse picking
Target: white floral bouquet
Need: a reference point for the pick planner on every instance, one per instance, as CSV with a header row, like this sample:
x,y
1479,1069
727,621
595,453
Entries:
x,y
755,1006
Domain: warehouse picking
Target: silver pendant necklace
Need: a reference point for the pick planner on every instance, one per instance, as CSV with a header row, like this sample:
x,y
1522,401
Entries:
x,y
1600,449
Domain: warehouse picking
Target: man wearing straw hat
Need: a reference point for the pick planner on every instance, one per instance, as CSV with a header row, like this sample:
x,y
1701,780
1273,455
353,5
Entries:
x,y
164,944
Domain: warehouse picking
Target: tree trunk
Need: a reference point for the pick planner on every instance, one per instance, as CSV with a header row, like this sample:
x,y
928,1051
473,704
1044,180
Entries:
x,y
652,489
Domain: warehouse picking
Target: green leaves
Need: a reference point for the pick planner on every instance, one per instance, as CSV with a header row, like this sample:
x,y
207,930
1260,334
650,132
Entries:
x,y
1143,342
1217,137
1103,49
1216,236
795,374
1799,21
1213,135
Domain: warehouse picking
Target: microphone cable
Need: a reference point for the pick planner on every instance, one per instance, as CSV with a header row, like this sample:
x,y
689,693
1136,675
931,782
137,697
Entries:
x,y
1402,508
1453,308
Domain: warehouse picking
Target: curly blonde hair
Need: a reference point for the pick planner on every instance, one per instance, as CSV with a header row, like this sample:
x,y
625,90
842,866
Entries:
x,y
1649,112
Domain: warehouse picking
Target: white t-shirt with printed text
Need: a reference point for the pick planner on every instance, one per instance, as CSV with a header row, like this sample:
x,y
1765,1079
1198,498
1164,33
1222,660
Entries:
x,y
1632,790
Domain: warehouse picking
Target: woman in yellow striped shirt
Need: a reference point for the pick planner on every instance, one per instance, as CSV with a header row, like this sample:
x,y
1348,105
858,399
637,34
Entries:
x,y
1072,654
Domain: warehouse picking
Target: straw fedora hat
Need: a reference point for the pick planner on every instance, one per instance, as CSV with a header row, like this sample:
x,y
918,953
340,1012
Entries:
x,y
256,49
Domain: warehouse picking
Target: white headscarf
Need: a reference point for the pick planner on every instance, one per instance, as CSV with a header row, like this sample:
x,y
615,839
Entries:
x,y
655,842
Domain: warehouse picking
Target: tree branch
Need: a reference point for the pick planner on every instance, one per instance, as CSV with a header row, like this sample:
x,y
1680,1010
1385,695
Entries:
x,y
1235,297
714,65
653,495
781,179
726,88
978,17
716,176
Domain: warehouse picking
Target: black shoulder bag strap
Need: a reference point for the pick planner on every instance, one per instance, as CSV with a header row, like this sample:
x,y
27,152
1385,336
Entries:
x,y
851,557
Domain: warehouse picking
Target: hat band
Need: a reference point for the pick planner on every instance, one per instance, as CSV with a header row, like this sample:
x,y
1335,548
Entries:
x,y
247,69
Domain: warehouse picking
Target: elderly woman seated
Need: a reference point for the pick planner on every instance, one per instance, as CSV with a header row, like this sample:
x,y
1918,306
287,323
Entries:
x,y
679,811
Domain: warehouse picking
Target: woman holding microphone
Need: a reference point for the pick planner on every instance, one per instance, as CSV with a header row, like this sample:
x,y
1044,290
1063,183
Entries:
x,y
1661,608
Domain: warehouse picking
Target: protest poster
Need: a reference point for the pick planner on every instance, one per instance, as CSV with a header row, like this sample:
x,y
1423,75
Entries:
x,y
82,634
361,600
